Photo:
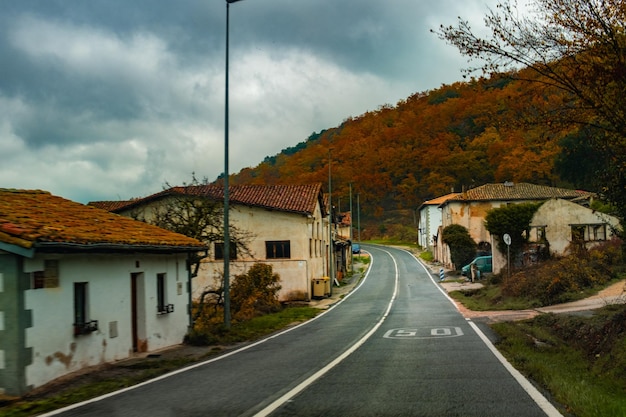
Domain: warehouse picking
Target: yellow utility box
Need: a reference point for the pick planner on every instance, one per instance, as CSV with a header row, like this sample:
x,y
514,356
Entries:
x,y
321,287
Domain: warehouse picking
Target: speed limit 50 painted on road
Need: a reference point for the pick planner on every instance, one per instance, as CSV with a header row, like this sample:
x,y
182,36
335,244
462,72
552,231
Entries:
x,y
424,333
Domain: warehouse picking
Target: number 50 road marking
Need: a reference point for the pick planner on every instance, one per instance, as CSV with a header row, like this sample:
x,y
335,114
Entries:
x,y
424,333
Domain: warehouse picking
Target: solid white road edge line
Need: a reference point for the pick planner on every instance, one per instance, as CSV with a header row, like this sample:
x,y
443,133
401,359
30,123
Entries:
x,y
530,389
541,401
302,386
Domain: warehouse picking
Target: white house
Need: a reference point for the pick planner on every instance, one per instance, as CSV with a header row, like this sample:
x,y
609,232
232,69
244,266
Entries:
x,y
80,287
287,225
430,221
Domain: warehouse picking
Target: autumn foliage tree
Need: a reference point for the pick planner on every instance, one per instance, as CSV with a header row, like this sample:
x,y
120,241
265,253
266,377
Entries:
x,y
513,123
576,52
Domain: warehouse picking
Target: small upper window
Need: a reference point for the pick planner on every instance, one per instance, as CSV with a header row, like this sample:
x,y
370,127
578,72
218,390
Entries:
x,y
219,250
278,249
49,277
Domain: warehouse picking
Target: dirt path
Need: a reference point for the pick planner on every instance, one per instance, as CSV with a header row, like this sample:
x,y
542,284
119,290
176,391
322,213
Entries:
x,y
613,294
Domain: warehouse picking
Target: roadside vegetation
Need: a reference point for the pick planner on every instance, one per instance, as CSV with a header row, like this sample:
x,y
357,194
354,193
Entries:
x,y
552,281
580,358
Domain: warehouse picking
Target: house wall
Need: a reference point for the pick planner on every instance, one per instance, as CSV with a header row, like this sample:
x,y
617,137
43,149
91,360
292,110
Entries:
x,y
499,260
558,215
430,220
56,351
308,239
470,215
14,318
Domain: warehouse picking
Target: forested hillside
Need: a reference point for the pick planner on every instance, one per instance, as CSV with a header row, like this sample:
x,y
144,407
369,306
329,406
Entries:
x,y
458,136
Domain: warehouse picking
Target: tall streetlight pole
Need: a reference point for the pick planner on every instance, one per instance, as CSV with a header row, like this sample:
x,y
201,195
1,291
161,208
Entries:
x,y
331,249
226,185
351,240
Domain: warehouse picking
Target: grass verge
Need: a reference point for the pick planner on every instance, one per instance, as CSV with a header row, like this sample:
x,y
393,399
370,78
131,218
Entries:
x,y
580,360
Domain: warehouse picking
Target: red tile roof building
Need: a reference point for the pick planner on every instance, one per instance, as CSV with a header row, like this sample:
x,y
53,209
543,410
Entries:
x,y
301,199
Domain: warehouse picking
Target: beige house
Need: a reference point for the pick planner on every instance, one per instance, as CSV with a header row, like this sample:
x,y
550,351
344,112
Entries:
x,y
287,228
470,208
560,223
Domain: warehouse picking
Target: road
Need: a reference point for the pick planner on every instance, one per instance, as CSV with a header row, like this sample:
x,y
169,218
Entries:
x,y
396,346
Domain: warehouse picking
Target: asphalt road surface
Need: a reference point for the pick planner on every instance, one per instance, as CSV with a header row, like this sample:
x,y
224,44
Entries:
x,y
396,346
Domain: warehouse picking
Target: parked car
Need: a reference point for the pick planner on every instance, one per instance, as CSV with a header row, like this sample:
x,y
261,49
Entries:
x,y
483,264
356,248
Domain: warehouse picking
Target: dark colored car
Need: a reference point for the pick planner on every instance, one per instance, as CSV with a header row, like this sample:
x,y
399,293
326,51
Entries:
x,y
483,264
356,248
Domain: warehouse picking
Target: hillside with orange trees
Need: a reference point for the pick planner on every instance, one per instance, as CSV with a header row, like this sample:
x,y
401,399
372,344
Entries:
x,y
458,136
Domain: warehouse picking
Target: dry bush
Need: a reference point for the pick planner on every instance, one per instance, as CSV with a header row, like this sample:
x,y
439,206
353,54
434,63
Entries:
x,y
255,293
553,281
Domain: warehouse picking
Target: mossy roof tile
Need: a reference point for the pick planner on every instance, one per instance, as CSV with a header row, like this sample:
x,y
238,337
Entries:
x,y
28,217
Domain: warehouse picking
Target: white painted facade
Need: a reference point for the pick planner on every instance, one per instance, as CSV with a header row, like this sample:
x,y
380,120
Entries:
x,y
57,351
429,222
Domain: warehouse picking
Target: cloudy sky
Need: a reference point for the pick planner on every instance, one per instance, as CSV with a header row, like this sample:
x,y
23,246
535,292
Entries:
x,y
109,99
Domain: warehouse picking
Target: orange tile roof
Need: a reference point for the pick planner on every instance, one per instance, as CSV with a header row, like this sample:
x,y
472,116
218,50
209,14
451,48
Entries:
x,y
517,191
437,201
34,218
300,199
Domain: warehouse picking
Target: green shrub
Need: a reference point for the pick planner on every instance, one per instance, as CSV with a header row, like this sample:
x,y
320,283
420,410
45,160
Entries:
x,y
462,246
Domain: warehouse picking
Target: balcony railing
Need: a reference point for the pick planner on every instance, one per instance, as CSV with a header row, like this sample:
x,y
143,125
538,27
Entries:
x,y
165,309
86,327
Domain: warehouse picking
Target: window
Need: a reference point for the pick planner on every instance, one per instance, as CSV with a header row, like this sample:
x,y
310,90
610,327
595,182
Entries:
x,y
82,324
161,292
219,250
537,234
278,249
162,306
598,232
80,302
49,277
588,232
578,233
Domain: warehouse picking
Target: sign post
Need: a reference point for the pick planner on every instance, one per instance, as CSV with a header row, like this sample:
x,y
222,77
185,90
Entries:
x,y
507,239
